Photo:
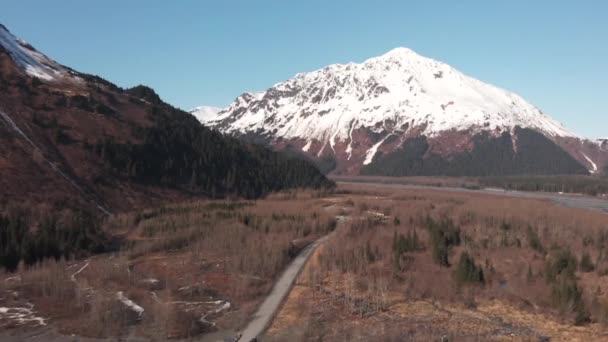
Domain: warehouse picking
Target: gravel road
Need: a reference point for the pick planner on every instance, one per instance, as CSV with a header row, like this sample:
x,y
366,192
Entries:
x,y
272,303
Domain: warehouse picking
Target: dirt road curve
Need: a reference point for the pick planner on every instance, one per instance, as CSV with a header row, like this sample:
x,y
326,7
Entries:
x,y
272,303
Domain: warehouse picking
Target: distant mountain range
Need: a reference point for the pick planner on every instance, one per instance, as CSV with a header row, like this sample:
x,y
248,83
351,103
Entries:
x,y
403,114
72,139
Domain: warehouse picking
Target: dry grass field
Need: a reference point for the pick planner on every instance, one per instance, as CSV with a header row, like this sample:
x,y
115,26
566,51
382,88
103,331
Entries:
x,y
183,270
543,272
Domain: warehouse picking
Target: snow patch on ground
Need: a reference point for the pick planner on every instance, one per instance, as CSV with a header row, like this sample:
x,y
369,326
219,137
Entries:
x,y
210,308
307,146
20,316
130,304
219,309
183,302
222,307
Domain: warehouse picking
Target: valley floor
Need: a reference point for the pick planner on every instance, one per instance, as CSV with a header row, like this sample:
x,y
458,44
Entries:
x,y
346,294
401,264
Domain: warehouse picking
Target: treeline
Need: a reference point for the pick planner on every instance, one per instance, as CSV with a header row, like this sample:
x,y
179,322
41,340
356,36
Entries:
x,y
490,156
570,184
72,234
177,151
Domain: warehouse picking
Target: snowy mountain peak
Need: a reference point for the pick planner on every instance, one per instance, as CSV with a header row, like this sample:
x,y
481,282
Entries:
x,y
400,51
397,54
398,89
29,59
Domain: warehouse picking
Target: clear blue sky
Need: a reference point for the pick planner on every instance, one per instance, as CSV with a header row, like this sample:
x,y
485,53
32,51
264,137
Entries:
x,y
554,53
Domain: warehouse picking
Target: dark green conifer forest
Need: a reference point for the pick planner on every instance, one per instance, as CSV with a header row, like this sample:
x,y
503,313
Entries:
x,y
177,151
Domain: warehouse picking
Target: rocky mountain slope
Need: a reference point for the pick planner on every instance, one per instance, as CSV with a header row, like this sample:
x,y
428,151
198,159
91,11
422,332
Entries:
x,y
360,115
72,139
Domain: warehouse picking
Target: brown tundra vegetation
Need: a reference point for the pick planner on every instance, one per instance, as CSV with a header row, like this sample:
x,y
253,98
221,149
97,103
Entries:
x,y
402,265
182,270
437,265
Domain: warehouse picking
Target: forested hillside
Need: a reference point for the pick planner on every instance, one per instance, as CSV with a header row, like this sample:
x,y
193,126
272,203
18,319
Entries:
x,y
75,140
490,156
177,151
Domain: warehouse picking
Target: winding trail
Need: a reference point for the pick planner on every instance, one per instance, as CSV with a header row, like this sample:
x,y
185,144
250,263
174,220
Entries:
x,y
271,305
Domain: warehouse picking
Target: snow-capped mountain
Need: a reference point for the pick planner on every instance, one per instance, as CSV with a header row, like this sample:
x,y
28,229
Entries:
x,y
400,86
360,113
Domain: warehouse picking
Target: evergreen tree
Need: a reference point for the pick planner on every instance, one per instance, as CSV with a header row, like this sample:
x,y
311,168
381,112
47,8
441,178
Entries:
x,y
467,272
586,263
443,235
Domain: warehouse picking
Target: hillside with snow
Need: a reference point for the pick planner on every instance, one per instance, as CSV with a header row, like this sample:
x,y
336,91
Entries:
x,y
33,62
